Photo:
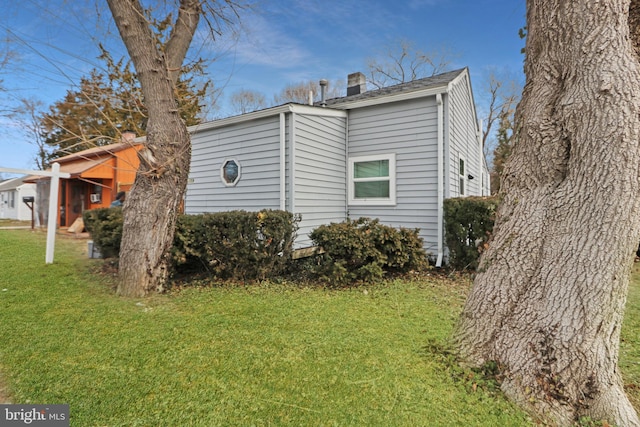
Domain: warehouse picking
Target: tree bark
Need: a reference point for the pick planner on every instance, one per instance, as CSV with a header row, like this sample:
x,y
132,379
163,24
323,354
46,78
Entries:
x,y
548,300
153,203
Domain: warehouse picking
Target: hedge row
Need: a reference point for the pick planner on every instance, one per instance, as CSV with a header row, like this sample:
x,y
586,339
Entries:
x,y
238,244
248,245
364,250
468,226
244,246
105,227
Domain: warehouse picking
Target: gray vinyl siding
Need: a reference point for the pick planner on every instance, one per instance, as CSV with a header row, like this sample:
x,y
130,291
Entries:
x,y
462,130
320,172
256,146
318,145
408,129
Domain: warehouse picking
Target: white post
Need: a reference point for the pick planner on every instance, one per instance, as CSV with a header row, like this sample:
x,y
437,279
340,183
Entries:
x,y
53,212
55,175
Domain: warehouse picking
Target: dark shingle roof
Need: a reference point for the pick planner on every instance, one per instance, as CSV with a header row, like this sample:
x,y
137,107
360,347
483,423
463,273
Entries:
x,y
412,86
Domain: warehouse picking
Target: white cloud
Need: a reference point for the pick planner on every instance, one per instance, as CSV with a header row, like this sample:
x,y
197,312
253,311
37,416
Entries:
x,y
258,42
265,44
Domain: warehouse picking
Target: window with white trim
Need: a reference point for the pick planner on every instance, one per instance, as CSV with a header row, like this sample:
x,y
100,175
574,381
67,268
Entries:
x,y
372,180
461,175
230,172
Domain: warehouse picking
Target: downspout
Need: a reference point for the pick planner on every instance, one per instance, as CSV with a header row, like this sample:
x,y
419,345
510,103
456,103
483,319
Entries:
x,y
283,164
346,168
480,156
440,221
292,163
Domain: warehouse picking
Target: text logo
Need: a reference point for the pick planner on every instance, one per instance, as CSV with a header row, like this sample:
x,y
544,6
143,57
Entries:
x,y
34,415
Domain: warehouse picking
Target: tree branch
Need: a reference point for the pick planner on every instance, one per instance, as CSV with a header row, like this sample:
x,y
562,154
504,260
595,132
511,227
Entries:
x,y
181,35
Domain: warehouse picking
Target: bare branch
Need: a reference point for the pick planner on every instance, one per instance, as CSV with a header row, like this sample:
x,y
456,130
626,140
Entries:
x,y
245,101
402,62
501,95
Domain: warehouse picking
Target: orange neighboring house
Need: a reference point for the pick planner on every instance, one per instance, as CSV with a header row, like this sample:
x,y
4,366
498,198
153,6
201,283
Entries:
x,y
97,175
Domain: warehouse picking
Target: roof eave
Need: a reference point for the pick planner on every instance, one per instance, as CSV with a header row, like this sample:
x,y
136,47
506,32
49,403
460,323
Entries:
x,y
384,99
269,112
101,151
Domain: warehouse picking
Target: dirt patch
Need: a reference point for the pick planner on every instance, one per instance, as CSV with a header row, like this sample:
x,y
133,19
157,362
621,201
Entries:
x,y
4,392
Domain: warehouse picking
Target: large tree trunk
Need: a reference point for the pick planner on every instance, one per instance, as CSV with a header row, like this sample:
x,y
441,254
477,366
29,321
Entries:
x,y
548,300
152,206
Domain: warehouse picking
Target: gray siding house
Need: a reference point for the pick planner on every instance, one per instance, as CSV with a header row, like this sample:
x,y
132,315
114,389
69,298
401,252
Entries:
x,y
393,154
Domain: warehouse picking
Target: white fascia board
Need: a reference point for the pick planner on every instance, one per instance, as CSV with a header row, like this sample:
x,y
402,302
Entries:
x,y
465,76
239,119
317,111
269,112
384,99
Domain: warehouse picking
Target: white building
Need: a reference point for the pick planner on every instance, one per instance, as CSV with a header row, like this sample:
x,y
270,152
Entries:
x,y
12,192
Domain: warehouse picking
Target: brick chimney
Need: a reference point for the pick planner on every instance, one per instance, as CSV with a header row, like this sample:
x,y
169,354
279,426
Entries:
x,y
128,136
356,84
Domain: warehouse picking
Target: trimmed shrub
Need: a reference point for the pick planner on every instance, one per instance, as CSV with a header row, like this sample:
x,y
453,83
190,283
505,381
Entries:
x,y
229,245
105,227
468,226
235,245
364,250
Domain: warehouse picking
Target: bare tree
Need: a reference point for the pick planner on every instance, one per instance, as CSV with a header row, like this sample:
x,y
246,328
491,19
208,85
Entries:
x,y
498,98
502,94
29,115
402,62
245,101
297,92
548,300
502,149
300,92
7,54
153,203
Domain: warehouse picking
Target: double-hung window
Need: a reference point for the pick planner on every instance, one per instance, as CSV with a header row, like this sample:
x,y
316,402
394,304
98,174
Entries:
x,y
372,180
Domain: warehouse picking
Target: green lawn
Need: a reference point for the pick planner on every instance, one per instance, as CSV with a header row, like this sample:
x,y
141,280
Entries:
x,y
14,223
264,355
630,340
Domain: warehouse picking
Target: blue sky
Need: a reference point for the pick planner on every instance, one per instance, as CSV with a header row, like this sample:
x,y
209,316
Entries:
x,y
279,42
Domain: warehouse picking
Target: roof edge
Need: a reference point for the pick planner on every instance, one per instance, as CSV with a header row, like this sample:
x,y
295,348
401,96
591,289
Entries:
x,y
400,92
268,112
100,150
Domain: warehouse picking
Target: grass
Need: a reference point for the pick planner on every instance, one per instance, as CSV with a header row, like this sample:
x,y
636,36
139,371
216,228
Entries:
x,y
264,355
630,340
4,222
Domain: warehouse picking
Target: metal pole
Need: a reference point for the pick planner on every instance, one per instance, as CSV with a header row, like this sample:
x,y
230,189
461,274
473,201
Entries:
x,y
33,218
